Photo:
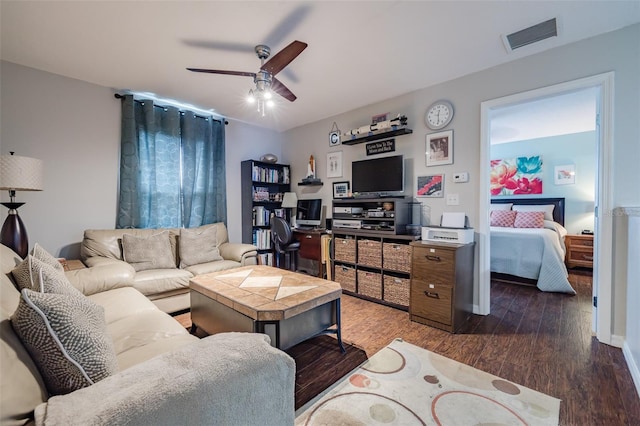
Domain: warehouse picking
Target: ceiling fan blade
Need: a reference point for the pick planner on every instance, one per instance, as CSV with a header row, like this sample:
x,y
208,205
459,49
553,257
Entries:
x,y
220,45
282,90
281,59
242,73
288,24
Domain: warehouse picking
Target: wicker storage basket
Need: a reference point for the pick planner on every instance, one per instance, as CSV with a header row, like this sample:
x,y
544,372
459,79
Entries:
x,y
345,249
370,253
397,257
370,284
396,290
346,277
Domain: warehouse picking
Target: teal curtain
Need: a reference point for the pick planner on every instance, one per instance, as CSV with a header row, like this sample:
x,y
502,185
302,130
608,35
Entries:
x,y
172,168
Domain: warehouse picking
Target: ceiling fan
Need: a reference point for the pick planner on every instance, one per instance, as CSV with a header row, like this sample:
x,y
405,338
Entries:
x,y
265,79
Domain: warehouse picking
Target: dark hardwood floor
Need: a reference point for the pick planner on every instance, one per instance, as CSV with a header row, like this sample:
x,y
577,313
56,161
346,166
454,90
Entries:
x,y
539,340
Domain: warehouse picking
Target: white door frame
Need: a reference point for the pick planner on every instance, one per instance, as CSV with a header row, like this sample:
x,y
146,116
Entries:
x,y
602,280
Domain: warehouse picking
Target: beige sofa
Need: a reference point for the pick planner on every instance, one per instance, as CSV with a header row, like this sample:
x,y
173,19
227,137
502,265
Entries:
x,y
167,287
164,375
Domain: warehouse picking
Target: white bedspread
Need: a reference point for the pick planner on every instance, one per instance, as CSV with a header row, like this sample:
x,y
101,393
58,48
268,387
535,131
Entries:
x,y
536,253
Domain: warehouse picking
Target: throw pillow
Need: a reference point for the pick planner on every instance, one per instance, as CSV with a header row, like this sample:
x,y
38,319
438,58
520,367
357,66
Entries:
x,y
36,275
67,339
529,220
153,252
546,208
198,245
41,254
503,218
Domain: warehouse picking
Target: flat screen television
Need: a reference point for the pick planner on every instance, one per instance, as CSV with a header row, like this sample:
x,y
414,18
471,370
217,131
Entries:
x,y
309,213
384,175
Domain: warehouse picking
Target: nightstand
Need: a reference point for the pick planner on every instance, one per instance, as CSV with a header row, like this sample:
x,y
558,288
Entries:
x,y
579,251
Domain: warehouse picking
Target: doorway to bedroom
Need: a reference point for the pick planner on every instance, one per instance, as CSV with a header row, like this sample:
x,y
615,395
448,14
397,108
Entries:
x,y
564,129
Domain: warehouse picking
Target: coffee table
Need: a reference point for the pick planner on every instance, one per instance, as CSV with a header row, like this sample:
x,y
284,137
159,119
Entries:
x,y
287,306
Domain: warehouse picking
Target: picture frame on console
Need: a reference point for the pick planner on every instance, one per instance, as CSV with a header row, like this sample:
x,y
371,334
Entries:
x,y
439,148
341,189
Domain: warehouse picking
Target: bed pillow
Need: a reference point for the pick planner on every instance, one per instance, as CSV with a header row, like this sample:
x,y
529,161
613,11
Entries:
x,y
144,253
503,218
546,208
529,220
67,339
505,206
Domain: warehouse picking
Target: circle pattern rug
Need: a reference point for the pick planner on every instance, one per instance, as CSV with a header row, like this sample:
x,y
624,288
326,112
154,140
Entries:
x,y
403,384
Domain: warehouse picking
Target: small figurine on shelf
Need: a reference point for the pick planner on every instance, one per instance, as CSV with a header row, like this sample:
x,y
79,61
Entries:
x,y
311,168
311,172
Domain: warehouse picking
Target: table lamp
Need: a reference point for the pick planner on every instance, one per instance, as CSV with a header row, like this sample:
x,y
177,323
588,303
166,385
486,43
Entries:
x,y
290,201
18,174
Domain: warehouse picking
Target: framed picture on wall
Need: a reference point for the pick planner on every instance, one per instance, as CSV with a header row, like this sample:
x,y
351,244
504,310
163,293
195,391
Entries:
x,y
431,186
334,164
564,175
439,148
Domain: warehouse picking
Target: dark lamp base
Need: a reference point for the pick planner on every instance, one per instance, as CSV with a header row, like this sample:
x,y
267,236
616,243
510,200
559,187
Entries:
x,y
14,234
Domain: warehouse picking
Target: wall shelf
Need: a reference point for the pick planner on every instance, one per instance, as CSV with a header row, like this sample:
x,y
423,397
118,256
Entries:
x,y
369,137
310,183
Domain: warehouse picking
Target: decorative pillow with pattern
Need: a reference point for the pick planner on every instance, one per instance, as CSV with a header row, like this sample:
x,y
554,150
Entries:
x,y
198,245
153,252
41,254
36,275
503,218
546,208
67,339
529,220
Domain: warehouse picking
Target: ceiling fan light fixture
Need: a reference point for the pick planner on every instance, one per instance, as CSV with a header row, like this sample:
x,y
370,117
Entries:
x,y
251,97
270,103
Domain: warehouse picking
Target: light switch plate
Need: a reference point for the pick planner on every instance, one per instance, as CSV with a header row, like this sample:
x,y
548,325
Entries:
x,y
453,200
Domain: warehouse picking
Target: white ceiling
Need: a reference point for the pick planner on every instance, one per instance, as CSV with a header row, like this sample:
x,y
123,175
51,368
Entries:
x,y
360,52
563,114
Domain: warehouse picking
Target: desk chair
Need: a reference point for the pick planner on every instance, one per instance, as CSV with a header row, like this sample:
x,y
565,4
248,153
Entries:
x,y
282,238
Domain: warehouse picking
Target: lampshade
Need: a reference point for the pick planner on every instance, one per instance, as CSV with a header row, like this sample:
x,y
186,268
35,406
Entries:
x,y
20,173
290,200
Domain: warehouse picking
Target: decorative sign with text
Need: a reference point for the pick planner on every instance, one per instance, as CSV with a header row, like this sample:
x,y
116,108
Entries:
x,y
381,146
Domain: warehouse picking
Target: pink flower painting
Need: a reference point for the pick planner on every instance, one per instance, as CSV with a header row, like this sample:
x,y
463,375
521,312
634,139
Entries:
x,y
517,176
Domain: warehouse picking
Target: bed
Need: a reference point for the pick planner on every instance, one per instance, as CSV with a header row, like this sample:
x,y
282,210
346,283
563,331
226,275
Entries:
x,y
532,256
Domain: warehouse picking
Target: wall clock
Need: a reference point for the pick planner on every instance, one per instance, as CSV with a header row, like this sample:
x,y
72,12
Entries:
x,y
439,115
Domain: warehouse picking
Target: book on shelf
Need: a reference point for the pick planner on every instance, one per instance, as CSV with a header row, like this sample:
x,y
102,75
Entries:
x,y
262,239
270,175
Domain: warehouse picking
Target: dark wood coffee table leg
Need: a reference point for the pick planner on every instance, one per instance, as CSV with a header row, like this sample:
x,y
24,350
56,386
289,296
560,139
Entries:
x,y
338,326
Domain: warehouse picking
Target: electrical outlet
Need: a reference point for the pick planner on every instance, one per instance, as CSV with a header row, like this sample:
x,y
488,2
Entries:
x,y
453,200
461,177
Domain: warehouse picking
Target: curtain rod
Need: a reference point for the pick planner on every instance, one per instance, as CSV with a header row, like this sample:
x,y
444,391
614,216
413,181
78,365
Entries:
x,y
119,96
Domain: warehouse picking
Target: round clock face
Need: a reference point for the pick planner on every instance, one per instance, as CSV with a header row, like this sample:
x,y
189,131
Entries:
x,y
439,115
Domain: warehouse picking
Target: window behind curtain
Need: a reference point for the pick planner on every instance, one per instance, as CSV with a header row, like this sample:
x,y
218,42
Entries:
x,y
172,168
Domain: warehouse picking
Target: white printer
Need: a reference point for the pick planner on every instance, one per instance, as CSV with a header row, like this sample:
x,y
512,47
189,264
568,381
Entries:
x,y
451,230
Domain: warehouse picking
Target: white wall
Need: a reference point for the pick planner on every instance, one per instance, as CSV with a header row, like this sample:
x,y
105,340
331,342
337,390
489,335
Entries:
x,y
631,347
617,51
74,127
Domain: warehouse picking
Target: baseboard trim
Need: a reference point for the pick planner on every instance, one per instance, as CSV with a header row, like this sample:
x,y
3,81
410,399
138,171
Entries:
x,y
633,366
617,341
476,309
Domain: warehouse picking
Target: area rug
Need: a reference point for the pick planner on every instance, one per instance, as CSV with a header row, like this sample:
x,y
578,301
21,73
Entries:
x,y
403,384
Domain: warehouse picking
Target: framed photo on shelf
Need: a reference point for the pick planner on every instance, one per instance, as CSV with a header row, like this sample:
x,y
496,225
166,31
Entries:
x,y
334,164
439,148
431,186
340,189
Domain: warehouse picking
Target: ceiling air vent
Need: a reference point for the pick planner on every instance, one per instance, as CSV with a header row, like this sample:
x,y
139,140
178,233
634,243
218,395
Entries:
x,y
534,34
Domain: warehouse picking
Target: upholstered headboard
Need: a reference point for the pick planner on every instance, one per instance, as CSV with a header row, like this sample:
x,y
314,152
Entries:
x,y
558,209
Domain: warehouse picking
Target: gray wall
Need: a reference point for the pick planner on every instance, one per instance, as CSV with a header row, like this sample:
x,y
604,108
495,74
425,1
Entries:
x,y
74,127
616,51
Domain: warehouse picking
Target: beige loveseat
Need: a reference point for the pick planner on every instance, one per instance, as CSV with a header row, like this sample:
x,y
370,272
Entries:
x,y
163,375
166,285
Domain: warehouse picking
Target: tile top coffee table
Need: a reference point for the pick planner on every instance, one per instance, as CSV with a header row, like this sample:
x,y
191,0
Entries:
x,y
287,306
